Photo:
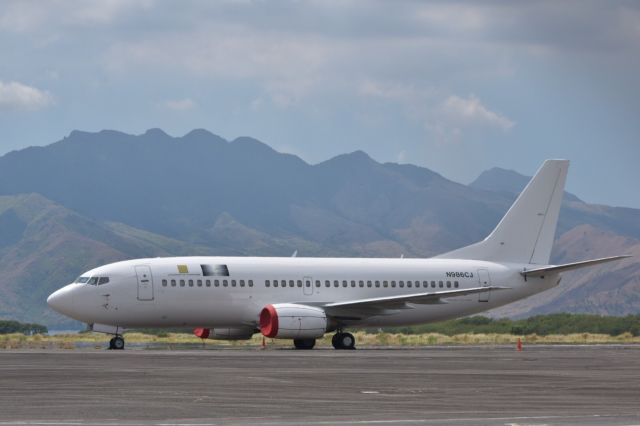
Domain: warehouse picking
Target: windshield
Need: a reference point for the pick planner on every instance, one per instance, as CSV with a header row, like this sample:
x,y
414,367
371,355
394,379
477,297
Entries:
x,y
92,280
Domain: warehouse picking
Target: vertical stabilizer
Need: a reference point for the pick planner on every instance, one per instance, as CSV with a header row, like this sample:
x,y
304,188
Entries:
x,y
526,233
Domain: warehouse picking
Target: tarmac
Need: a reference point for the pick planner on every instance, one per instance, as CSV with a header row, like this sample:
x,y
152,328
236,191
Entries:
x,y
543,385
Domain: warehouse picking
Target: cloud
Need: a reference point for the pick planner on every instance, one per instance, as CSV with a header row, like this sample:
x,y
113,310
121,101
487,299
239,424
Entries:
x,y
18,96
452,118
468,112
179,104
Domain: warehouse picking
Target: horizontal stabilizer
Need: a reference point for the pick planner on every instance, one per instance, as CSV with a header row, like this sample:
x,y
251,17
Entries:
x,y
570,266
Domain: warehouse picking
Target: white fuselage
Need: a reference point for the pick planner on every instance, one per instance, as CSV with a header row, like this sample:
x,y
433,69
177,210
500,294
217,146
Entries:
x,y
179,292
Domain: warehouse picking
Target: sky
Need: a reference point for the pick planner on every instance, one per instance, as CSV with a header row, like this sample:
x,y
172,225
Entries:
x,y
457,86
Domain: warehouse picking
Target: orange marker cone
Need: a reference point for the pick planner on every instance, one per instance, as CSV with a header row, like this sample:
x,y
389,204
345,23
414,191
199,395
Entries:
x,y
519,345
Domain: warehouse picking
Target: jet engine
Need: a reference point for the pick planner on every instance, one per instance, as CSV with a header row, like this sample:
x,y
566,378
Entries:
x,y
292,321
226,333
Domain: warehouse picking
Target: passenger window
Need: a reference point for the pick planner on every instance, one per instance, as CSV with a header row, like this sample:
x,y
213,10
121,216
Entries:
x,y
448,284
307,283
233,283
190,283
199,283
300,283
291,283
225,283
336,283
275,283
393,284
267,283
440,284
433,284
409,284
361,283
401,284
353,283
164,283
385,284
455,284
216,283
327,283
181,283
250,283
241,283
173,283
104,280
208,283
377,283
317,283
368,283
344,283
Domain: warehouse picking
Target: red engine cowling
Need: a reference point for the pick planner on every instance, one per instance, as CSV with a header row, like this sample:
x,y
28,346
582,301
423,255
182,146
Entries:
x,y
224,333
292,321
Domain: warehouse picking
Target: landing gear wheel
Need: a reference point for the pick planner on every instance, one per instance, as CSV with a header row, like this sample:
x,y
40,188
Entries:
x,y
116,343
334,341
304,343
343,341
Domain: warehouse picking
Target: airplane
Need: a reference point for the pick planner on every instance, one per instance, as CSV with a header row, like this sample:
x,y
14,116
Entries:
x,y
302,298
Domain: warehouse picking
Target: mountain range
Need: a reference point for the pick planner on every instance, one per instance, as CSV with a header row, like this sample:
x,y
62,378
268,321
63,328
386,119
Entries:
x,y
93,198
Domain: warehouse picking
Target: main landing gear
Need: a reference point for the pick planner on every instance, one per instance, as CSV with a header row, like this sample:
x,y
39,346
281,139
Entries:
x,y
342,340
116,343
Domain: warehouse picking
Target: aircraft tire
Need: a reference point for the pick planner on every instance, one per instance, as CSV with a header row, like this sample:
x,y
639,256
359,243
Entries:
x,y
111,344
118,343
343,341
347,341
304,343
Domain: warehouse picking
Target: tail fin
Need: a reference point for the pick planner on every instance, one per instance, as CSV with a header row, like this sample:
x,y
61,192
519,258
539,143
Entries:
x,y
525,234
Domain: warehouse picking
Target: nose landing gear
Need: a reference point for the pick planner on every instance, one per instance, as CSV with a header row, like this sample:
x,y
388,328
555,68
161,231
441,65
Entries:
x,y
116,343
342,340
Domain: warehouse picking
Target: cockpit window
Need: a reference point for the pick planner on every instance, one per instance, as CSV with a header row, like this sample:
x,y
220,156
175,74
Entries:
x,y
82,280
103,280
93,281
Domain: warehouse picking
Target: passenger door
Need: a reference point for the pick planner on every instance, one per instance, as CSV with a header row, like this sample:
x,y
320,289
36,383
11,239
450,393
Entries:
x,y
145,282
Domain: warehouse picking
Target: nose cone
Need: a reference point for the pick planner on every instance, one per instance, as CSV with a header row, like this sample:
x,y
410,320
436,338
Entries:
x,y
61,301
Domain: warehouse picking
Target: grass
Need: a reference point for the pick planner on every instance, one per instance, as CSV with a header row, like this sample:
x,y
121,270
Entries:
x,y
363,339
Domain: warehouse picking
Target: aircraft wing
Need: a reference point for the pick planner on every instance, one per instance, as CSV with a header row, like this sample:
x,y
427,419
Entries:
x,y
357,309
569,266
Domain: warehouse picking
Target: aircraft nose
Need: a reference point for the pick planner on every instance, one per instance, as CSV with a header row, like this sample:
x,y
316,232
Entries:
x,y
61,300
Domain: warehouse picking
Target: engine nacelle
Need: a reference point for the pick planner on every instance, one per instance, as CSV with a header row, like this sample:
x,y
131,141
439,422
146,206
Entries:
x,y
292,321
225,333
